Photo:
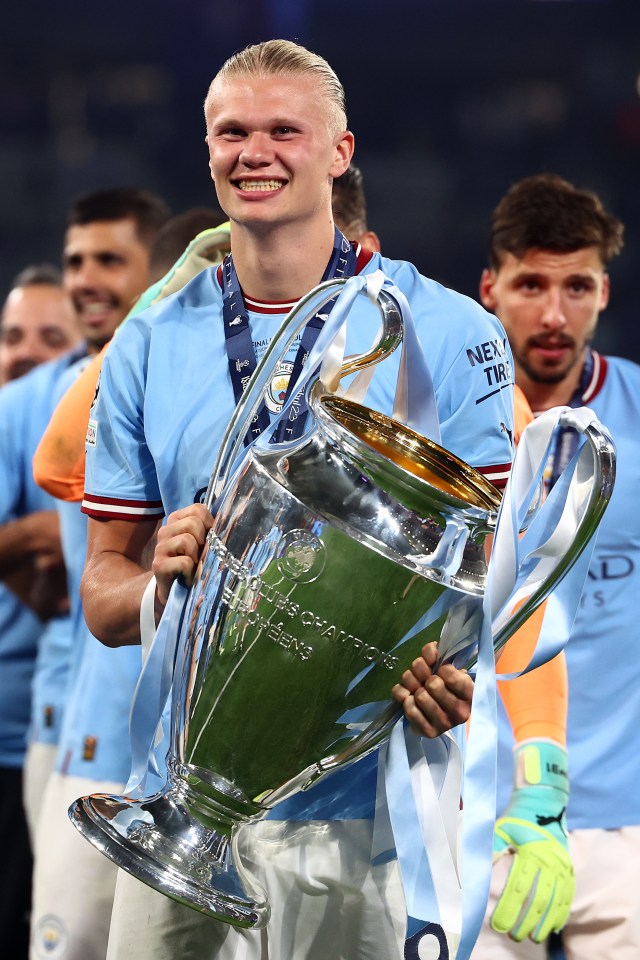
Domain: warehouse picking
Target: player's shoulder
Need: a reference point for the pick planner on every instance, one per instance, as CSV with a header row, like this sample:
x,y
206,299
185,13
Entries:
x,y
434,302
188,307
623,367
39,381
201,292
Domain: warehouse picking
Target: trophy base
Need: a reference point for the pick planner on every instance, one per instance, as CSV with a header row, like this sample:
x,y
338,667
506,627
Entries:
x,y
159,842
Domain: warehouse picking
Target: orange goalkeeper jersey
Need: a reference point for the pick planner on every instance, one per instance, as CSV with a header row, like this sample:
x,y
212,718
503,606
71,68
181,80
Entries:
x,y
537,702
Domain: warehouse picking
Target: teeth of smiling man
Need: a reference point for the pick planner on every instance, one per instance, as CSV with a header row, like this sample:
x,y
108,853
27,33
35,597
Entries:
x,y
95,307
263,185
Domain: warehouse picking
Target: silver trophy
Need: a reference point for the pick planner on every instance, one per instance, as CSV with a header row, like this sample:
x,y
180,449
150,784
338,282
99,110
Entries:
x,y
324,555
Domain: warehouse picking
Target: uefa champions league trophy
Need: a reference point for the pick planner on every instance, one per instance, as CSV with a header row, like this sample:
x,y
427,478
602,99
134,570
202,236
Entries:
x,y
324,555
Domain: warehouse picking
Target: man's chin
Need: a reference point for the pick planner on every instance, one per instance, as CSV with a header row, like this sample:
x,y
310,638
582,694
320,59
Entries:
x,y
97,337
19,370
549,373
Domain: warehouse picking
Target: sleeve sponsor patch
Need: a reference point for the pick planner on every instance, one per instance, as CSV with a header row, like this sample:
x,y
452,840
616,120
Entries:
x,y
491,357
92,433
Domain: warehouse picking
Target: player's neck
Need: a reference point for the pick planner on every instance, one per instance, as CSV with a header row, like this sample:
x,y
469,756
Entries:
x,y
543,396
281,264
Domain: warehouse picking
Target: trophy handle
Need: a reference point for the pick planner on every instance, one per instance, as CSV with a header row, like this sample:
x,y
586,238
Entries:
x,y
602,481
295,321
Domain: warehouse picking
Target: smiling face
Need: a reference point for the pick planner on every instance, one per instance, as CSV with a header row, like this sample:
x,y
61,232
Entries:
x,y
38,324
274,149
105,270
549,305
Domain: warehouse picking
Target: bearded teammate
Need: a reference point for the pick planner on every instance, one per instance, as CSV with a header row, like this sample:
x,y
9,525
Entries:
x,y
106,255
276,130
551,244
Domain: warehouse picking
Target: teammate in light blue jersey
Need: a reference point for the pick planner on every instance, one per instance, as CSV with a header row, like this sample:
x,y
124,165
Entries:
x,y
548,281
106,258
276,130
25,407
37,324
95,730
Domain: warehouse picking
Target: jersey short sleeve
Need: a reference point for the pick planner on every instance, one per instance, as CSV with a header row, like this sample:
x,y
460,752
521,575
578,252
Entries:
x,y
121,480
11,456
24,411
59,460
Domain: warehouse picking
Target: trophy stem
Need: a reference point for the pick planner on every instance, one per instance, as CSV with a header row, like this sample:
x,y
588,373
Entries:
x,y
181,843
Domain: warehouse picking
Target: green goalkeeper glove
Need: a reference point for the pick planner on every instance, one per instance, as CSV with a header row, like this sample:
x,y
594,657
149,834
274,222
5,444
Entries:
x,y
539,890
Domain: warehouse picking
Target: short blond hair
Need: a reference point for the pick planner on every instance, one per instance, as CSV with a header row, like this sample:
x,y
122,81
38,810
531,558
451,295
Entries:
x,y
285,58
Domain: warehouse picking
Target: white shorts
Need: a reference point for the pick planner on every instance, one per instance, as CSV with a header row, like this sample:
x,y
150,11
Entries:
x,y
605,917
38,765
327,901
73,882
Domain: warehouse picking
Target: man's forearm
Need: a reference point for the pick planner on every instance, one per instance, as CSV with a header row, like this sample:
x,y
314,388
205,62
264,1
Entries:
x,y
20,539
20,581
112,589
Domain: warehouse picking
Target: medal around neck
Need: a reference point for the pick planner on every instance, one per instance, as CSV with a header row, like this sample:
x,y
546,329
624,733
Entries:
x,y
332,560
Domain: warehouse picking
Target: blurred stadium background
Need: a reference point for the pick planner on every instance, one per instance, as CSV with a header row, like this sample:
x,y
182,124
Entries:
x,y
450,101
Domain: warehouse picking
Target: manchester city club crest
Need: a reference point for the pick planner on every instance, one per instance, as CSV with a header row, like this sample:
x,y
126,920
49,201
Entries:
x,y
277,389
50,938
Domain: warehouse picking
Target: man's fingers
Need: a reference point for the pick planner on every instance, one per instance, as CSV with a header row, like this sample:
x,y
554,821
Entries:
x,y
400,693
442,708
176,566
434,704
193,510
457,682
179,548
420,719
183,544
195,523
410,682
430,653
446,704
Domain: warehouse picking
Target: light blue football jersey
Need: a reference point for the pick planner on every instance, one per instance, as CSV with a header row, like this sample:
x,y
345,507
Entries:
x,y
603,660
165,395
19,633
165,399
25,408
94,740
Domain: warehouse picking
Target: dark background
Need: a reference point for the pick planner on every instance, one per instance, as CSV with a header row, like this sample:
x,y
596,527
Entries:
x,y
450,101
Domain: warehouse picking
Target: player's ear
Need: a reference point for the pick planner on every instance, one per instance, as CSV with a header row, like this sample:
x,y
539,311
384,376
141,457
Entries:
x,y
370,241
487,289
343,152
604,297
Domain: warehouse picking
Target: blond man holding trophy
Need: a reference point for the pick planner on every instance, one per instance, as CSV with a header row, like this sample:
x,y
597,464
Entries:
x,y
277,137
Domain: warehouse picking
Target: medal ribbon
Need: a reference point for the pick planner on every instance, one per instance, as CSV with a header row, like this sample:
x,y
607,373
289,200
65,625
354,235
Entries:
x,y
241,352
567,439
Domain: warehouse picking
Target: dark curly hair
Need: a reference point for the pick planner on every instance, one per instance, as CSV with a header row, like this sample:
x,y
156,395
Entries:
x,y
546,212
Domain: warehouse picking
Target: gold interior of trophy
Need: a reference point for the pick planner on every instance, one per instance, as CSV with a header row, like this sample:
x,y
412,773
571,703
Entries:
x,y
411,452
